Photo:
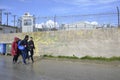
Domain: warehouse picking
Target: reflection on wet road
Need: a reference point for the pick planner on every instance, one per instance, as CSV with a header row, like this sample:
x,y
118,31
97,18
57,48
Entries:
x,y
56,70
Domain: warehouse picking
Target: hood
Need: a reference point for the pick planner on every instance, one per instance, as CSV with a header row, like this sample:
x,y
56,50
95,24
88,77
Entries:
x,y
16,39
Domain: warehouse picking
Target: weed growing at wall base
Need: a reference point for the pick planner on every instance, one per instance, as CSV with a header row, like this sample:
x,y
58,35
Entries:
x,y
85,58
101,58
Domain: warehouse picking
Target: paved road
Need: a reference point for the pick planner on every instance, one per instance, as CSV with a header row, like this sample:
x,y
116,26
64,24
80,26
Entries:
x,y
56,70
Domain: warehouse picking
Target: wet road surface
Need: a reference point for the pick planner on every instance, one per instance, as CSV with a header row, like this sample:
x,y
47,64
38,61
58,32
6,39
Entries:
x,y
56,70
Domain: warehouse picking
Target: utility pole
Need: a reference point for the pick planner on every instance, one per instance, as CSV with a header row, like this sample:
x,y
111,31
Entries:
x,y
1,11
118,17
14,16
34,23
19,24
55,21
7,15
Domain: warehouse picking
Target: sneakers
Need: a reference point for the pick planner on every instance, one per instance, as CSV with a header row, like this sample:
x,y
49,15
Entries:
x,y
24,63
14,62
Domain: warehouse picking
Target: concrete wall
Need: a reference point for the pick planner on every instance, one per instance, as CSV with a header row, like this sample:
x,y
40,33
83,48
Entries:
x,y
96,42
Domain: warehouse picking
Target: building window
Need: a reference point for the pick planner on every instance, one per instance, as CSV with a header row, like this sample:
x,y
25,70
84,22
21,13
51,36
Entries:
x,y
27,22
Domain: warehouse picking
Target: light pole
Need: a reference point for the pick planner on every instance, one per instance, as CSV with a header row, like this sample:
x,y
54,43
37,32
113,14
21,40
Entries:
x,y
34,23
19,24
7,15
14,16
1,11
55,21
118,17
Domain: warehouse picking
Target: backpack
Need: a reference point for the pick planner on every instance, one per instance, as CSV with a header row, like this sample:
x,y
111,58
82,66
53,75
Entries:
x,y
20,47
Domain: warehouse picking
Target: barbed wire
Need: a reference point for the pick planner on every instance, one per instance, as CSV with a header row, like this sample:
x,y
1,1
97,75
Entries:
x,y
98,14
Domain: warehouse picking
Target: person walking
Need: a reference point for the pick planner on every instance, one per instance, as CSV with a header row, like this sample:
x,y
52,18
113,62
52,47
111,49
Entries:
x,y
14,49
24,51
19,50
31,48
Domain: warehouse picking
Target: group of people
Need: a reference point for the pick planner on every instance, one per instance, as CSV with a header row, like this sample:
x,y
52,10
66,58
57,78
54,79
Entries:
x,y
24,47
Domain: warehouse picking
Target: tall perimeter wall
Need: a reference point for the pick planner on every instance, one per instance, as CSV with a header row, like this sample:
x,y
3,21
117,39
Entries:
x,y
96,42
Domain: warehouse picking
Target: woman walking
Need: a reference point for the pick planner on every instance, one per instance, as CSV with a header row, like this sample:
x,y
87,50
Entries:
x,y
14,49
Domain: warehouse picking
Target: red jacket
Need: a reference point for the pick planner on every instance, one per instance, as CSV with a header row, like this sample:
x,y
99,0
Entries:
x,y
14,47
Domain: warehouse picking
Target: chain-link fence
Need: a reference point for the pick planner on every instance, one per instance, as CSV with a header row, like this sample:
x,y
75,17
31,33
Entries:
x,y
76,22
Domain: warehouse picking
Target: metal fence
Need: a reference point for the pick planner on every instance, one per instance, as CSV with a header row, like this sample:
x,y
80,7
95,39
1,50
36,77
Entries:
x,y
76,22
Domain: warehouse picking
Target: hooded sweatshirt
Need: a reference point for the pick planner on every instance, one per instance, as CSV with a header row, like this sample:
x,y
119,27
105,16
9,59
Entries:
x,y
14,48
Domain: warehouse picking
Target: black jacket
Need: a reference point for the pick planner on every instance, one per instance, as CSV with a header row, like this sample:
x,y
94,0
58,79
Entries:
x,y
24,43
31,45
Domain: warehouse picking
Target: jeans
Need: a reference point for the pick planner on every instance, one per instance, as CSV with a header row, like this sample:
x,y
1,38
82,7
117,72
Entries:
x,y
24,55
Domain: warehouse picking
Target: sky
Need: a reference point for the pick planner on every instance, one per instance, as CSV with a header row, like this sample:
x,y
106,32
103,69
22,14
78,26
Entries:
x,y
58,7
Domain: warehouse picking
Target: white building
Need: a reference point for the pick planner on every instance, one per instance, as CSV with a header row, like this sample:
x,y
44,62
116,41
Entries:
x,y
80,25
28,24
